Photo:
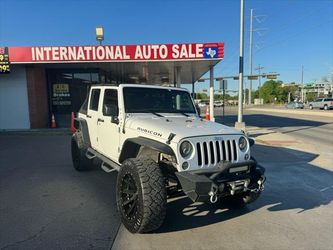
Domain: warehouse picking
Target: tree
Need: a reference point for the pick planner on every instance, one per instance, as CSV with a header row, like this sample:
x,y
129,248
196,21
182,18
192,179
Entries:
x,y
269,91
311,96
201,96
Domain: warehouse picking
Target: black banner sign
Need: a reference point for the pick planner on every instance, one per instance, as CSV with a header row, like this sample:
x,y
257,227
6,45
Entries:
x,y
4,61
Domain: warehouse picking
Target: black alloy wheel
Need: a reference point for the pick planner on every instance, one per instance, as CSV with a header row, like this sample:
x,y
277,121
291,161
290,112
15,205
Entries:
x,y
141,195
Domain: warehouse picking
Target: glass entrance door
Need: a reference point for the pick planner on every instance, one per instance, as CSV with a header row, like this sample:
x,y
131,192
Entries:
x,y
67,91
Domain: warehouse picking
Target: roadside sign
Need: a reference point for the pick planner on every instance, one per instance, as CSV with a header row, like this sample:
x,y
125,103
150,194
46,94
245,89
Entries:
x,y
271,76
223,84
4,61
252,77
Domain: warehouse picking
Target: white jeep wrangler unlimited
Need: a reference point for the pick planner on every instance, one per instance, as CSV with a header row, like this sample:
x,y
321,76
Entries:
x,y
154,137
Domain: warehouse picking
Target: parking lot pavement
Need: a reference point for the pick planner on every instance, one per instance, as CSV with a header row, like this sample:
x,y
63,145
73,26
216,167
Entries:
x,y
46,204
294,212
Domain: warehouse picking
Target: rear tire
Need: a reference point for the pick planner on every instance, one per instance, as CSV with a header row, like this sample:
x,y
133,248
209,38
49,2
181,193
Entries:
x,y
79,150
141,195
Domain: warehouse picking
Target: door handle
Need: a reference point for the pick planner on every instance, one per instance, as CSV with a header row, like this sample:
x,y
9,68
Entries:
x,y
88,116
100,120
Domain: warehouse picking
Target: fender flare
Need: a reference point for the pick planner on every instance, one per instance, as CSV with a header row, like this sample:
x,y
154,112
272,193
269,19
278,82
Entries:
x,y
132,146
81,124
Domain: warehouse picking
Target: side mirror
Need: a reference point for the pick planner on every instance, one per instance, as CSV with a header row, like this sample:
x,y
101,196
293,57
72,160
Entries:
x,y
198,109
114,119
111,110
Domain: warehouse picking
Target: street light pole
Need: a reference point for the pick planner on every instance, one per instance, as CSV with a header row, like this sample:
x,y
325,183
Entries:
x,y
240,124
211,94
250,57
259,68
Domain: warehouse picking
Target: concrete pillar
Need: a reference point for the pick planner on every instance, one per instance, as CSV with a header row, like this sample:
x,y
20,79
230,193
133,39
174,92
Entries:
x,y
211,94
37,97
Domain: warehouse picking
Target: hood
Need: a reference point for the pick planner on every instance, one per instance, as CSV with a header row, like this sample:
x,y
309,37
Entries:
x,y
181,126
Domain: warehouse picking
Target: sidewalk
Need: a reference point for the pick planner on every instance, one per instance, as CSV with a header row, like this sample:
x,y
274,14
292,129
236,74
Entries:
x,y
270,137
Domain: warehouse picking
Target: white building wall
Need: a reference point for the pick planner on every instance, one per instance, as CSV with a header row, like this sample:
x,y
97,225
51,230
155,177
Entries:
x,y
14,107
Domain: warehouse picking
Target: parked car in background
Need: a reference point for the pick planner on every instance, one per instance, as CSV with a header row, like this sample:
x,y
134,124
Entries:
x,y
322,103
295,105
218,104
203,103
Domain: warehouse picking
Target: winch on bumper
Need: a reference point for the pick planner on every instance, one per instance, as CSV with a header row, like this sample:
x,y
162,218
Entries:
x,y
225,179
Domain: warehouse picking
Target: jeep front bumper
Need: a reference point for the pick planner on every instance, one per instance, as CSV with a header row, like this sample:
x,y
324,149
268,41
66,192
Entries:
x,y
225,179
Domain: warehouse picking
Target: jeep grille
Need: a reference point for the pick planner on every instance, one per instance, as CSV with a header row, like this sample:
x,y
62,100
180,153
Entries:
x,y
212,152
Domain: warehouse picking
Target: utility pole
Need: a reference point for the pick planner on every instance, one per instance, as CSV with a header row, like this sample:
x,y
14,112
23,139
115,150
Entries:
x,y
259,68
332,83
302,84
240,124
250,57
302,74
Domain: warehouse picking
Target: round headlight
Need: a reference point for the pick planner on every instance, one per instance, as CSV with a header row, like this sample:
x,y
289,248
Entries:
x,y
242,142
185,149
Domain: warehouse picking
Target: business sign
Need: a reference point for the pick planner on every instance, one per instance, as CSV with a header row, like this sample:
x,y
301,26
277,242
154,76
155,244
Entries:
x,y
4,61
223,84
61,95
110,53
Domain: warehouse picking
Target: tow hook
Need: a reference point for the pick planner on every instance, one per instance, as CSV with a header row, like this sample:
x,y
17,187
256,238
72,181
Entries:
x,y
261,185
261,182
212,194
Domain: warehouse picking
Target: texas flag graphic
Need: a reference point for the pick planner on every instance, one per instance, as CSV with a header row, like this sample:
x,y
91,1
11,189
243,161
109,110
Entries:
x,y
210,52
213,50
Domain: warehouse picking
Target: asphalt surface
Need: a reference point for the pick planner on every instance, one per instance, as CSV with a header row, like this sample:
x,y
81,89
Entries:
x,y
308,128
45,203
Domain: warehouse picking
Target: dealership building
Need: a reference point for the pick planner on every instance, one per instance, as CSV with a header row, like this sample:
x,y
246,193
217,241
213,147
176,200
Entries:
x,y
36,82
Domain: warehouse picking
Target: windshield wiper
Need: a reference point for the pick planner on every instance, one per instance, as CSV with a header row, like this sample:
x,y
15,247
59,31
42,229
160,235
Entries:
x,y
183,114
157,114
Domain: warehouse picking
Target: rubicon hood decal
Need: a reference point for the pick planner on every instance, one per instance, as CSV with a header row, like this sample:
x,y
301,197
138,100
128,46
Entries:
x,y
183,127
148,131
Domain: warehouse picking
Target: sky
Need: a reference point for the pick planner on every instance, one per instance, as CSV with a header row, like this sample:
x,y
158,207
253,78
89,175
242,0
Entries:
x,y
287,33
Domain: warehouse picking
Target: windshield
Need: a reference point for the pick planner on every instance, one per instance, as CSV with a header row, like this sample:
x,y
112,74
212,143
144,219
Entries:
x,y
143,100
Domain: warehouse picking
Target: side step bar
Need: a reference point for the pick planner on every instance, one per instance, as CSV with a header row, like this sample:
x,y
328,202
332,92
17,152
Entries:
x,y
107,165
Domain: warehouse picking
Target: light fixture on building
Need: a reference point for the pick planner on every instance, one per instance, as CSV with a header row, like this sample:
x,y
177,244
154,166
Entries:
x,y
99,34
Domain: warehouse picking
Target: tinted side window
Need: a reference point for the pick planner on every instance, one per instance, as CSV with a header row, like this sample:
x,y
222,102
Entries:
x,y
94,99
110,101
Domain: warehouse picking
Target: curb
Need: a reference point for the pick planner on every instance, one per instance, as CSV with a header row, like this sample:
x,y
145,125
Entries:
x,y
299,112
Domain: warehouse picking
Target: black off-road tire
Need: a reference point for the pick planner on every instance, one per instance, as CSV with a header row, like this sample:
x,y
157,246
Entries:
x,y
241,200
79,149
141,195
